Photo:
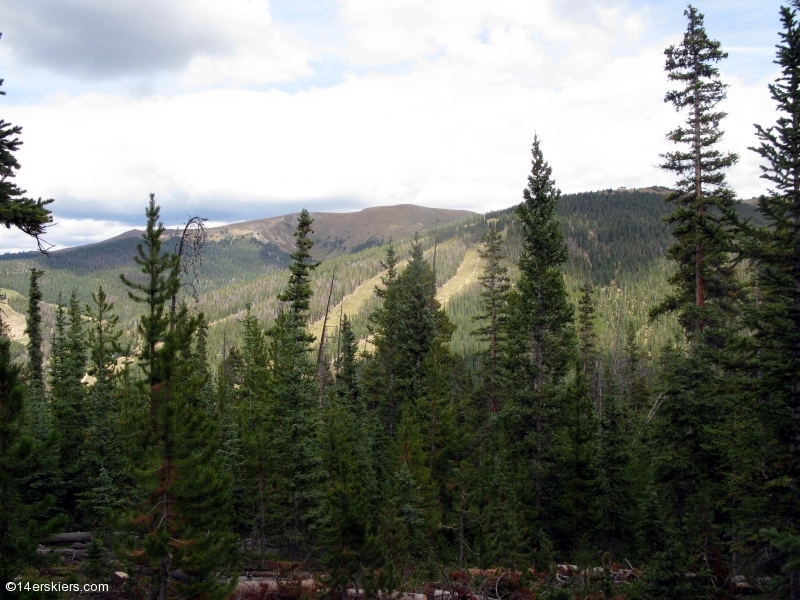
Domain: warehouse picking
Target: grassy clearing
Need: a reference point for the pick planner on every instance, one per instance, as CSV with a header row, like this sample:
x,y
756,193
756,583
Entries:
x,y
467,273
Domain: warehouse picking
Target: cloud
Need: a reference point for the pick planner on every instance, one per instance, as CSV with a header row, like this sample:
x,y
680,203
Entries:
x,y
63,233
97,39
437,104
200,42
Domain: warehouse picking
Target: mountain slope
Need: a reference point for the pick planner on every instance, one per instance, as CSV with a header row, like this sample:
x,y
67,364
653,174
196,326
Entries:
x,y
343,233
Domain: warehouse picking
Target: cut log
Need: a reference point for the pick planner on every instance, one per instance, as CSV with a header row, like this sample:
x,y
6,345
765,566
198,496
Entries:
x,y
70,537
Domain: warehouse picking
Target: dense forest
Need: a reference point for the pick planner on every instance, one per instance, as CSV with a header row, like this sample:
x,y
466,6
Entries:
x,y
612,410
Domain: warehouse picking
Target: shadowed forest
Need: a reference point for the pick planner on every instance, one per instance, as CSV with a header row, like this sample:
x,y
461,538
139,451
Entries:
x,y
590,396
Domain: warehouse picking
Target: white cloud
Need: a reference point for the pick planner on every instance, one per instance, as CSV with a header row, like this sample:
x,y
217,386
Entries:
x,y
263,53
453,128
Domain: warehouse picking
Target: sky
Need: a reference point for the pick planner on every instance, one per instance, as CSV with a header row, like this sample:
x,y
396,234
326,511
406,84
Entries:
x,y
246,109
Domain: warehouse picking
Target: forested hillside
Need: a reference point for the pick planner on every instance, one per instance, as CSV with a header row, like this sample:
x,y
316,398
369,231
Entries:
x,y
617,236
583,396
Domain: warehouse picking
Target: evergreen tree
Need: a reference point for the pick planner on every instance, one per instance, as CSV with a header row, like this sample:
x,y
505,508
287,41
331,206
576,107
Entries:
x,y
411,516
252,371
770,361
162,283
43,478
23,524
352,551
103,461
614,502
296,470
102,336
298,291
587,343
704,282
635,390
380,376
185,517
33,329
540,340
68,394
420,323
688,463
495,287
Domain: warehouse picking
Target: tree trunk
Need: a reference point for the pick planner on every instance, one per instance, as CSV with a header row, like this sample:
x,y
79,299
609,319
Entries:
x,y
698,192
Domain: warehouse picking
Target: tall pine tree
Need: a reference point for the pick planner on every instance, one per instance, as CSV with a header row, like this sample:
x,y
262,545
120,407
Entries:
x,y
771,359
541,344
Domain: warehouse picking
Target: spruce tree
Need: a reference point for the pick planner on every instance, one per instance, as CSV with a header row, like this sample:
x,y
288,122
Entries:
x,y
704,283
351,549
68,394
103,461
102,336
688,462
495,287
541,342
185,517
44,476
411,515
254,414
771,360
296,470
614,503
380,376
587,343
23,524
298,291
33,329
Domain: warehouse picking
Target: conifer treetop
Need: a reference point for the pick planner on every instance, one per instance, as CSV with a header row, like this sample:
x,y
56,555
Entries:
x,y
298,291
544,245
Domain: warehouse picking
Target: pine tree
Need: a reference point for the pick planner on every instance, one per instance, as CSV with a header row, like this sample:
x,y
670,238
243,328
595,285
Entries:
x,y
771,360
162,283
253,412
635,390
28,215
42,479
688,464
614,501
102,336
352,551
704,282
103,461
293,403
185,517
587,343
23,524
68,395
298,291
380,373
495,287
540,339
411,515
33,330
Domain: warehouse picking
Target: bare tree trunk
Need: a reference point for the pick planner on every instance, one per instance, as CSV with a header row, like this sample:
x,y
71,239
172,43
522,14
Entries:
x,y
320,362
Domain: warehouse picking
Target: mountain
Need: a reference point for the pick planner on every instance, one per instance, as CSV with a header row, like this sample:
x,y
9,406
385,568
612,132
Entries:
x,y
343,233
617,240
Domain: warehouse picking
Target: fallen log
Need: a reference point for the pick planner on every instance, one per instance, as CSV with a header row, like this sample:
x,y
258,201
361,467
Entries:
x,y
70,537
